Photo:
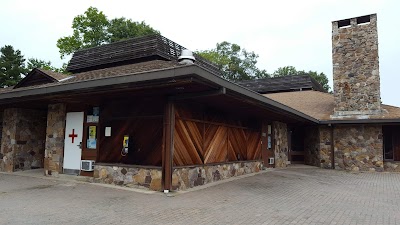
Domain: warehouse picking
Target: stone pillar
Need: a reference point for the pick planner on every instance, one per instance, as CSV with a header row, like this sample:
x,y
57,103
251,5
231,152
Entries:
x,y
358,147
8,139
325,147
55,132
280,144
23,136
318,146
355,59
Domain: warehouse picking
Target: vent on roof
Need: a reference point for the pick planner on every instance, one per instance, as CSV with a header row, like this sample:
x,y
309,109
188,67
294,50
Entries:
x,y
186,57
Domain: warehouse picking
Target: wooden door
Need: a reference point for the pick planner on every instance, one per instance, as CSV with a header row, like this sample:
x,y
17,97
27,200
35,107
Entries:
x,y
267,151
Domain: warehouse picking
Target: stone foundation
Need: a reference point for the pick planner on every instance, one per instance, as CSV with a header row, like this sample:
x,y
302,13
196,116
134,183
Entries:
x,y
359,147
189,177
281,144
55,131
391,166
129,176
23,138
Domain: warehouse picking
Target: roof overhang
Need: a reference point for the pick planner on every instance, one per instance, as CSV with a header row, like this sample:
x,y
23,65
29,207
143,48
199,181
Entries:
x,y
194,71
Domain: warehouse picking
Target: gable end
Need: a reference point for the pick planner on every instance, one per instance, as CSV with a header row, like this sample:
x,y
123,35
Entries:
x,y
35,77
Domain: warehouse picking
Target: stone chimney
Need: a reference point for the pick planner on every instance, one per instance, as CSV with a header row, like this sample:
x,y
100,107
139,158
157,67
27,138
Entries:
x,y
356,82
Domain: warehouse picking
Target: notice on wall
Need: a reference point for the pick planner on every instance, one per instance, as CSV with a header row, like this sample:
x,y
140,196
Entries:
x,y
96,111
89,119
91,143
108,132
269,142
92,132
95,119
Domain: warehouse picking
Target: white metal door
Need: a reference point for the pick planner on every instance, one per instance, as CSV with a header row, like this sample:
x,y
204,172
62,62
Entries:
x,y
73,141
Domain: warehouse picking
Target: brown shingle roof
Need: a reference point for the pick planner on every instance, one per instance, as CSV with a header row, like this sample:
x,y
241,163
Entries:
x,y
123,70
55,75
130,69
320,105
282,84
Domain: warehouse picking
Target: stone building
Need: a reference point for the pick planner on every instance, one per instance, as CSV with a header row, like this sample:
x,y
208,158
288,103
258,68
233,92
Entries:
x,y
146,113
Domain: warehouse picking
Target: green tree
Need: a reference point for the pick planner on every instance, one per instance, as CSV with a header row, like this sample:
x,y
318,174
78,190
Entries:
x,y
285,71
319,77
46,65
37,63
234,62
292,71
89,30
122,28
12,66
94,29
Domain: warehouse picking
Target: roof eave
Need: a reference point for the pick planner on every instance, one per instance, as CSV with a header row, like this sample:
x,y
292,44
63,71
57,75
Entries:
x,y
154,75
252,94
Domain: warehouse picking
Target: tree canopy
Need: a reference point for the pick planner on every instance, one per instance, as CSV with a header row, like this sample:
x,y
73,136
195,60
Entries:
x,y
94,29
291,70
46,65
238,64
234,62
12,66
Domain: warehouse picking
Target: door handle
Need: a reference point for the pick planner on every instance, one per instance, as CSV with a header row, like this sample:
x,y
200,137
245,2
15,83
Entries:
x,y
80,145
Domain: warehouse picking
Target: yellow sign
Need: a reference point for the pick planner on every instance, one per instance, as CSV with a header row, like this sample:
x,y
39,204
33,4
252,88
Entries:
x,y
92,132
126,141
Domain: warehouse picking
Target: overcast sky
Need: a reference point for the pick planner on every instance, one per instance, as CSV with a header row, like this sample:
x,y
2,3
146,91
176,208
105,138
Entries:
x,y
284,32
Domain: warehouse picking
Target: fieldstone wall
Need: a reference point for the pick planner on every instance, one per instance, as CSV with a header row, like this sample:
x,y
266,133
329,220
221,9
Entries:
x,y
317,146
356,68
129,176
189,177
281,144
391,166
23,137
359,147
8,140
325,148
311,146
54,148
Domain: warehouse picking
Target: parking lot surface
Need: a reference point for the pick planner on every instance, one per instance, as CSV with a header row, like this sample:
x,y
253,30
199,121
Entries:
x,y
295,195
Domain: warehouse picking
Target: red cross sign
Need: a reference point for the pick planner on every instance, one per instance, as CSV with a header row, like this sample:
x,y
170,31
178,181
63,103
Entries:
x,y
73,135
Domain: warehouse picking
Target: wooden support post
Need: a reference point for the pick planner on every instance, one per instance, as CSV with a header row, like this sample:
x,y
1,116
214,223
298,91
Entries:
x,y
168,147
